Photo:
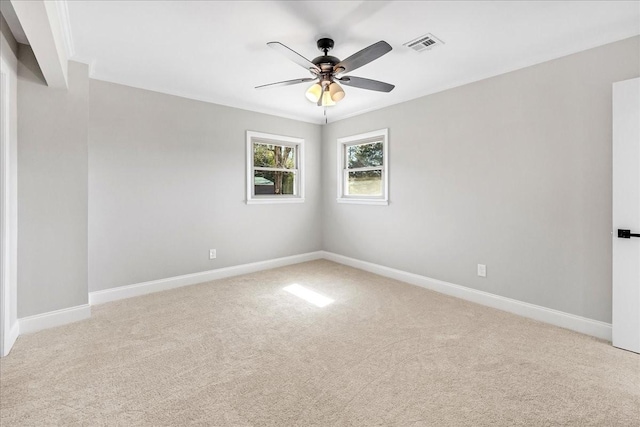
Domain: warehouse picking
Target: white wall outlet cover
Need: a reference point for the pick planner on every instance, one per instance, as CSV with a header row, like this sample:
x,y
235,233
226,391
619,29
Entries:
x,y
212,253
482,270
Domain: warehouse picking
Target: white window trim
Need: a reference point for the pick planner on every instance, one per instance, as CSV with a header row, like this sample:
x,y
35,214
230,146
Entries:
x,y
354,140
252,199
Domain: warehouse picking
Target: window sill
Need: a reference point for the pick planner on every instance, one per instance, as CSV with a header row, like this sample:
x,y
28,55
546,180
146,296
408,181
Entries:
x,y
275,201
363,201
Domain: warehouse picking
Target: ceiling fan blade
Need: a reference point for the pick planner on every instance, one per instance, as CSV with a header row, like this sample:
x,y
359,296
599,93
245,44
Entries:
x,y
363,57
366,83
294,56
286,83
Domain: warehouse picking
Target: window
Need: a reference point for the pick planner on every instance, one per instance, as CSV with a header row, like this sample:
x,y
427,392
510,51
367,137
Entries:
x,y
363,169
274,168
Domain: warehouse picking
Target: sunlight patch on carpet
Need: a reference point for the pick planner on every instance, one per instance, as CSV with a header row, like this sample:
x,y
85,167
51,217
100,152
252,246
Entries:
x,y
308,295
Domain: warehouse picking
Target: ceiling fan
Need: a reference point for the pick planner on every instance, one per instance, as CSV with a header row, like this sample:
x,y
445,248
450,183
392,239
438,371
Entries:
x,y
328,70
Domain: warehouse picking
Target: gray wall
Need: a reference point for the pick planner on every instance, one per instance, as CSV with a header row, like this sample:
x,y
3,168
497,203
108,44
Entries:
x,y
167,183
513,172
9,44
52,188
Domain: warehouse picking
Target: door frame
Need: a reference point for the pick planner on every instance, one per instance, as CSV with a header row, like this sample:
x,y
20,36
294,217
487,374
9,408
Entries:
x,y
8,228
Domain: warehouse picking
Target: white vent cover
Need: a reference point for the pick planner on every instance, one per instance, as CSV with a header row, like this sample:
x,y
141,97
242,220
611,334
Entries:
x,y
422,43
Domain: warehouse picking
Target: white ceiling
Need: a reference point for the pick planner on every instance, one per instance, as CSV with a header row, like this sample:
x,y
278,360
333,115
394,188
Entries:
x,y
216,51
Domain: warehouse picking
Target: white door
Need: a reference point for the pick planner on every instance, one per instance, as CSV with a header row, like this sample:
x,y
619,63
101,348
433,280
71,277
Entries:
x,y
626,215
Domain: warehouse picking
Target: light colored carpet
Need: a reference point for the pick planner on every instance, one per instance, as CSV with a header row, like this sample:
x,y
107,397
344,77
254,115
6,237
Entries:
x,y
243,352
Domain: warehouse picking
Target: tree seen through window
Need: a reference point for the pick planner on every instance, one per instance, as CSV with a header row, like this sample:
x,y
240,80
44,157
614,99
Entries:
x,y
274,169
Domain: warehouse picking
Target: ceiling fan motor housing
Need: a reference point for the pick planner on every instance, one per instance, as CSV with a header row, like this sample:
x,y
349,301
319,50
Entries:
x,y
326,63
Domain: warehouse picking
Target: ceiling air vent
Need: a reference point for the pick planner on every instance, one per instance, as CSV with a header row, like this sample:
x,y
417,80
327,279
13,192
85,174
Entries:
x,y
422,43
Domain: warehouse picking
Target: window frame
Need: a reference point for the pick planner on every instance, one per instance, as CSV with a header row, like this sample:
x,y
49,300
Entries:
x,y
381,135
254,137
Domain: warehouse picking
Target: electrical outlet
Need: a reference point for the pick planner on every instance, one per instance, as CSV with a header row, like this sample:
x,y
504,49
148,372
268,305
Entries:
x,y
482,270
212,254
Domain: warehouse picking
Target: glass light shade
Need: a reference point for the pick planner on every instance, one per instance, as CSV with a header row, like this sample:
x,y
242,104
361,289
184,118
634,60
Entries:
x,y
314,92
326,99
336,92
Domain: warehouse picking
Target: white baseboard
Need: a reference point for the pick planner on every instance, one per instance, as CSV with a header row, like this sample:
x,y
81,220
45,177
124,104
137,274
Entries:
x,y
113,294
554,317
11,338
52,319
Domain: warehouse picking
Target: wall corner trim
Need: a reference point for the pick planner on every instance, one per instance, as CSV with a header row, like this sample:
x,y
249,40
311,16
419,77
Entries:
x,y
575,323
55,318
122,292
10,340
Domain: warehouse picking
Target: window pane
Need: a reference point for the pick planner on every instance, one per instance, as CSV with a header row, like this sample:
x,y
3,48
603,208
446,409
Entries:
x,y
270,182
365,155
365,183
274,156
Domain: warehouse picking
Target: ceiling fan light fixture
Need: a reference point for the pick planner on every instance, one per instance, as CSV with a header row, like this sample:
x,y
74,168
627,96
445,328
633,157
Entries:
x,y
326,99
314,92
336,92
